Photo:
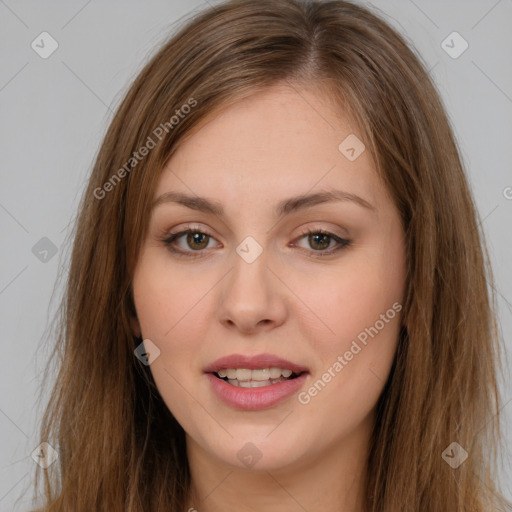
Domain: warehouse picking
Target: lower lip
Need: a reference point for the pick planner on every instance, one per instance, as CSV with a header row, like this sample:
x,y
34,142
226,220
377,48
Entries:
x,y
253,399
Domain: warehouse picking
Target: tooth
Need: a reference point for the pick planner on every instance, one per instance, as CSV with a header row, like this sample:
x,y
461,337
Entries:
x,y
253,384
234,382
263,374
243,374
259,375
275,373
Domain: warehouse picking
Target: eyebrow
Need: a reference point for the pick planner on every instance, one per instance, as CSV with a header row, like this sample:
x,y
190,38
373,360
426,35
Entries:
x,y
283,208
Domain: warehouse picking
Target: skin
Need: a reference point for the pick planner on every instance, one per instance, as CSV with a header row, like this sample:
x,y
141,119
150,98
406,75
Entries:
x,y
278,143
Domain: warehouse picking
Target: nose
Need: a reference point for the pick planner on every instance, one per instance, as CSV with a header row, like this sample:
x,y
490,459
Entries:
x,y
253,298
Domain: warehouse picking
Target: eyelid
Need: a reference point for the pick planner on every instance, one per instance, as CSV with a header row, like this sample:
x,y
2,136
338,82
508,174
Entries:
x,y
170,236
341,242
188,227
200,229
313,228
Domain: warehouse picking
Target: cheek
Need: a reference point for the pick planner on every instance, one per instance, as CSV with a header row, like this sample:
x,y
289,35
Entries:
x,y
354,296
174,310
169,306
364,311
361,302
166,298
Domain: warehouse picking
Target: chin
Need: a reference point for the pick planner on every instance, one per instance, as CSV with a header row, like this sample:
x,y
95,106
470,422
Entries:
x,y
259,452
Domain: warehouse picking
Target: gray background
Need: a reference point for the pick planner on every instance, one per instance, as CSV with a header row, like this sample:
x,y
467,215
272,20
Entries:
x,y
54,112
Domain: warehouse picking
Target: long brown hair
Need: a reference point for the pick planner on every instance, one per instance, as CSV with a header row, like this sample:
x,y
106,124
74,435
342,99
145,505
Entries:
x,y
120,449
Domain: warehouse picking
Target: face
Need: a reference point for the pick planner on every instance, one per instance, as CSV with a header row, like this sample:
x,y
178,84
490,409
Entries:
x,y
244,279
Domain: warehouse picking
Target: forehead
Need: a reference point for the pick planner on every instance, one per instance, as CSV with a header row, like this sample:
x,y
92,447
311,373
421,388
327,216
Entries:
x,y
279,142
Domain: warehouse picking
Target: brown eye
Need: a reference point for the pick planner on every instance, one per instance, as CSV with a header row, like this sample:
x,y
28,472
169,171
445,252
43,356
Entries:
x,y
197,240
190,242
319,241
193,242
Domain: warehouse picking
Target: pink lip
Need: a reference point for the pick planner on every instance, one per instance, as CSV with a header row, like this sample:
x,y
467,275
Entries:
x,y
251,399
253,363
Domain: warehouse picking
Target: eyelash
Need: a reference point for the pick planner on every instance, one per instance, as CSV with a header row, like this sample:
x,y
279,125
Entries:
x,y
342,243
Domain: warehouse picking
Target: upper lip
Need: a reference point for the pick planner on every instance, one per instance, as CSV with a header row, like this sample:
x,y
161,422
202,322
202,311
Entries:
x,y
253,363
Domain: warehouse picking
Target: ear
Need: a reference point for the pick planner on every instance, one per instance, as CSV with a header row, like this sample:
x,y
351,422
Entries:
x,y
135,326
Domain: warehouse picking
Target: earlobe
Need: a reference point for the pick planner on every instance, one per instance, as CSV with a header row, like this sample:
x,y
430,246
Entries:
x,y
135,326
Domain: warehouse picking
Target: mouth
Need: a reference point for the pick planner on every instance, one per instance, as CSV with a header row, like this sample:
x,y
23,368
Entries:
x,y
255,383
256,378
254,371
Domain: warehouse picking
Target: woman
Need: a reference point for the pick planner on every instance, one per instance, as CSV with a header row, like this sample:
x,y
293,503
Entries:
x,y
277,297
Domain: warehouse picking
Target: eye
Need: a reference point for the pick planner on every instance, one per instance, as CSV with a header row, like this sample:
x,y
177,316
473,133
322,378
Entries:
x,y
321,240
194,240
